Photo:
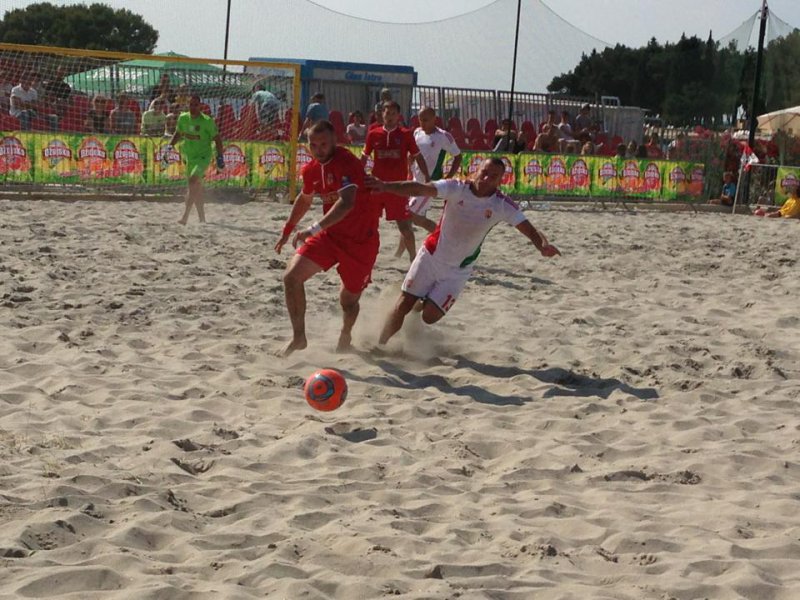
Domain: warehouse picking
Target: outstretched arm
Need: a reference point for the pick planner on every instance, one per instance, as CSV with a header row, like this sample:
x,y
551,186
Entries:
x,y
402,188
538,239
423,168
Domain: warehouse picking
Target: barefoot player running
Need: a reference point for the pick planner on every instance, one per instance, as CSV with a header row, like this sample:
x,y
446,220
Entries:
x,y
198,131
444,263
346,235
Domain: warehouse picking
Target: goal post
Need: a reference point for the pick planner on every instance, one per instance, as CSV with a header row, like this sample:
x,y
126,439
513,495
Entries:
x,y
77,119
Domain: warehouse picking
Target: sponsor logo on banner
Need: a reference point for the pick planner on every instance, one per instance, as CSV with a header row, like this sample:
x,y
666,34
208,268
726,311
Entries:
x,y
652,177
790,181
171,154
630,170
304,157
57,159
235,164
677,175
126,159
13,156
270,158
608,171
475,163
534,173
557,174
509,177
697,180
93,158
579,173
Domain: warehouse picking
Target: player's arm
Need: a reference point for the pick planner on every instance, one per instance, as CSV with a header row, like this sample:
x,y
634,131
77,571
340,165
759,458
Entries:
x,y
220,151
337,212
402,188
299,209
423,168
176,137
424,222
367,150
455,167
538,239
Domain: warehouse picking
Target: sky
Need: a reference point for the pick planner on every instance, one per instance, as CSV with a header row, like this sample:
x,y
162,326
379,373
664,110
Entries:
x,y
197,27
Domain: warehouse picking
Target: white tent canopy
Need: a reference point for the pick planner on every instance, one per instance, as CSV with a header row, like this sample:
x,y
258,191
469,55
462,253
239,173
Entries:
x,y
474,50
787,120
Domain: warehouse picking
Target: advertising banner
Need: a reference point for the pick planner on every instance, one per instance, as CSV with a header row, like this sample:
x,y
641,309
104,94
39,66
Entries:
x,y
269,164
17,155
237,168
552,174
787,178
171,173
109,159
55,160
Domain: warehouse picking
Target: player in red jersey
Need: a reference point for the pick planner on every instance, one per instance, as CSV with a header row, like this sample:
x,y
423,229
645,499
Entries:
x,y
345,236
392,147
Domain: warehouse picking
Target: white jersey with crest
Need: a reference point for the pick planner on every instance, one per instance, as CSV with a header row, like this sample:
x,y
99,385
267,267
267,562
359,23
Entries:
x,y
465,222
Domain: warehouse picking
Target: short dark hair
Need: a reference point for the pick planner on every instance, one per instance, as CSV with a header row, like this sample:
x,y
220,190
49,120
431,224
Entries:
x,y
390,104
318,96
321,127
497,162
193,96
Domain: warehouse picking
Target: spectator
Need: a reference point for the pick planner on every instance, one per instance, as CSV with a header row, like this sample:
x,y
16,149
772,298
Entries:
x,y
677,148
654,147
182,96
315,112
57,88
357,129
641,151
97,117
5,91
583,123
633,148
571,147
587,149
122,120
621,150
547,141
386,96
24,102
789,210
564,127
551,121
505,138
155,118
267,108
728,191
172,119
163,89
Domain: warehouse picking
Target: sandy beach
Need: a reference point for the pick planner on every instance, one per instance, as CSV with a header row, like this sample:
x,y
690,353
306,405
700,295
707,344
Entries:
x,y
620,423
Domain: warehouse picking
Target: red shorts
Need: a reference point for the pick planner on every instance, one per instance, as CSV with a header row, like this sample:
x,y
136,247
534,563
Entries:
x,y
355,261
395,207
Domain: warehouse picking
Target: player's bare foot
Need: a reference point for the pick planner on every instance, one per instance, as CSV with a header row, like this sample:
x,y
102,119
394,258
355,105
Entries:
x,y
296,344
345,343
182,221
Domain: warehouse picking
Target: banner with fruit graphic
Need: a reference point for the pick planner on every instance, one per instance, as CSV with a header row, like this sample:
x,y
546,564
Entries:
x,y
55,159
269,164
682,180
554,175
304,157
17,155
164,165
109,159
237,168
787,178
473,160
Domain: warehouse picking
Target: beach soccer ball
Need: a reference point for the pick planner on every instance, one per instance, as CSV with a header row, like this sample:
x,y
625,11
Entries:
x,y
326,390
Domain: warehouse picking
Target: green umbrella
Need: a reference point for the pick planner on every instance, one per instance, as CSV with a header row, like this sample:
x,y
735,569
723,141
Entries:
x,y
138,77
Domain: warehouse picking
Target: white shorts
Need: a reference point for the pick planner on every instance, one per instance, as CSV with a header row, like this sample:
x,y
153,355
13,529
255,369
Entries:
x,y
430,279
419,205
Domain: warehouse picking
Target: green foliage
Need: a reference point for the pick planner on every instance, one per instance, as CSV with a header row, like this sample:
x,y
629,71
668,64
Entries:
x,y
690,82
95,27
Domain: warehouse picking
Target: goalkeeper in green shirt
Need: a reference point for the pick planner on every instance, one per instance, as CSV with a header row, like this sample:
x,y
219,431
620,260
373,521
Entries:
x,y
197,131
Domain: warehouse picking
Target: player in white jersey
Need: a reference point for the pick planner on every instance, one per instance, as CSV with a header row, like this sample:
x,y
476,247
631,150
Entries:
x,y
444,262
434,145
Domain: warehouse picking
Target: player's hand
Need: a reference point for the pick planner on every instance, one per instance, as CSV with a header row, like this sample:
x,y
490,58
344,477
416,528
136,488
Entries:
x,y
281,243
220,162
300,237
549,251
374,183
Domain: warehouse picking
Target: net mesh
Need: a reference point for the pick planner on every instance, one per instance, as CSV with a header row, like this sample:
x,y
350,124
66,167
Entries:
x,y
78,118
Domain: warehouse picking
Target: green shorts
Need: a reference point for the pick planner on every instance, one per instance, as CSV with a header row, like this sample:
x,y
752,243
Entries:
x,y
197,167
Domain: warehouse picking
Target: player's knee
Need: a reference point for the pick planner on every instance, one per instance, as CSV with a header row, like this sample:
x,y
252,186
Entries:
x,y
291,278
405,226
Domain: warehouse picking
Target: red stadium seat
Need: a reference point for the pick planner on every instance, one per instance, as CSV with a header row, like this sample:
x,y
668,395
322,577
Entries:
x,y
414,122
439,122
490,128
454,126
473,124
9,123
527,127
74,119
479,144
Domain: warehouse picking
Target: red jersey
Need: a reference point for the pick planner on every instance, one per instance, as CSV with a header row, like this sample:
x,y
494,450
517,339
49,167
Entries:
x,y
391,151
343,170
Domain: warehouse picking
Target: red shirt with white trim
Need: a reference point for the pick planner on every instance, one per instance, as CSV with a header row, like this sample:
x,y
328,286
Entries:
x,y
391,151
326,180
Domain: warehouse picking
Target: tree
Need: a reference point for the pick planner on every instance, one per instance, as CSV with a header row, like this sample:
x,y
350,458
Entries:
x,y
95,27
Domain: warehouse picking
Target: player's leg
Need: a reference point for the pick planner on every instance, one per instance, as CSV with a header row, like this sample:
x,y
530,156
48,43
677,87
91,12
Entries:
x,y
443,294
350,309
199,197
401,246
396,318
188,202
299,270
407,233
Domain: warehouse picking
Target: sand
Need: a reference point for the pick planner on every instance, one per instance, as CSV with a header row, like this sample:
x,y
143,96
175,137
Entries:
x,y
619,423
